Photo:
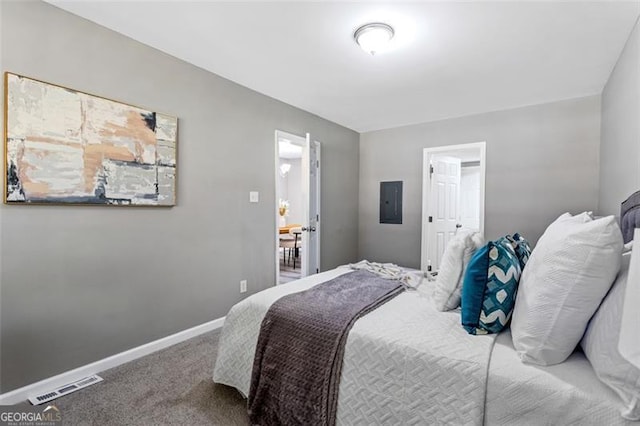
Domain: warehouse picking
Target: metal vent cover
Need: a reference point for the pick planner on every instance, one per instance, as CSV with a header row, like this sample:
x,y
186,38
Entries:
x,y
64,390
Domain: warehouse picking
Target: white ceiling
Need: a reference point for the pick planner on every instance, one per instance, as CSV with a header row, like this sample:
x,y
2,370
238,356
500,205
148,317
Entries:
x,y
452,58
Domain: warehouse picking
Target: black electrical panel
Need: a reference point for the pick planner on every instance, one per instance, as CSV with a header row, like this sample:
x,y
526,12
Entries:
x,y
391,202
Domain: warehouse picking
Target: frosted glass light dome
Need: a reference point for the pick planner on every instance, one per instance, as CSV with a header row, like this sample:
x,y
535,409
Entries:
x,y
373,37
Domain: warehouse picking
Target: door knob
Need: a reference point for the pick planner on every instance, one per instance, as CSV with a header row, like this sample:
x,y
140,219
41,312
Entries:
x,y
310,229
458,225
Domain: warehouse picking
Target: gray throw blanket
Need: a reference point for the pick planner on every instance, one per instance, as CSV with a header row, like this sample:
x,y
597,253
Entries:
x,y
299,355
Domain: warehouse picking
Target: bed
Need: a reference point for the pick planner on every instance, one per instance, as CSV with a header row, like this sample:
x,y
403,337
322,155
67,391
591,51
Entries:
x,y
407,363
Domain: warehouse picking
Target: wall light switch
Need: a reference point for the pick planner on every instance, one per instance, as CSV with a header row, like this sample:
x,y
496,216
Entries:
x,y
254,196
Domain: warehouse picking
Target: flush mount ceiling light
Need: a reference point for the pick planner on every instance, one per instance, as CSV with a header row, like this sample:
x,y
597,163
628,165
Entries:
x,y
373,37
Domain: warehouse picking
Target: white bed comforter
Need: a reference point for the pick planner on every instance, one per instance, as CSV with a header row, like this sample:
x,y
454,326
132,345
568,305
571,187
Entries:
x,y
404,363
533,395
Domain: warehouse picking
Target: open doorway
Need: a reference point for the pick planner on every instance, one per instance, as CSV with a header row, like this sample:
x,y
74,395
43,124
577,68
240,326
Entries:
x,y
289,189
453,187
297,171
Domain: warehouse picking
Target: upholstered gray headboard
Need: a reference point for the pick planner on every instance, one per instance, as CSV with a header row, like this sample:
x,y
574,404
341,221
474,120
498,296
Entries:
x,y
630,216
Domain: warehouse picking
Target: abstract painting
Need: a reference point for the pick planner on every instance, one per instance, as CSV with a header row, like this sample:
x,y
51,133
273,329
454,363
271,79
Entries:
x,y
65,146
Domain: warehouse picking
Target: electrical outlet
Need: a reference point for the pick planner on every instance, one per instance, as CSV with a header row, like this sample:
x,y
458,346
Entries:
x,y
243,286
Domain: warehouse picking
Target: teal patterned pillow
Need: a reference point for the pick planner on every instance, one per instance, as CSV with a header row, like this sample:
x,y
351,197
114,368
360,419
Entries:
x,y
489,288
522,248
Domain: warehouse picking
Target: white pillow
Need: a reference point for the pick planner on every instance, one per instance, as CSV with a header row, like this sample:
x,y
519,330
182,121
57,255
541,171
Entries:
x,y
568,274
600,345
456,256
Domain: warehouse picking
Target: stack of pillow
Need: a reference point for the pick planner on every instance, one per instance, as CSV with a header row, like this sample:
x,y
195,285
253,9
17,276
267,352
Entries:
x,y
570,293
483,279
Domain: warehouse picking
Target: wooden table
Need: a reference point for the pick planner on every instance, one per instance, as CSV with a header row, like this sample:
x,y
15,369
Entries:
x,y
286,229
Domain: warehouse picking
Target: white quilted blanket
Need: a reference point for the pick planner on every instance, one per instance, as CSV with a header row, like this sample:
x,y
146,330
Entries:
x,y
532,395
404,363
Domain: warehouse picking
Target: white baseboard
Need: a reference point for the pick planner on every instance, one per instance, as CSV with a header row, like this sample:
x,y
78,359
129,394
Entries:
x,y
21,394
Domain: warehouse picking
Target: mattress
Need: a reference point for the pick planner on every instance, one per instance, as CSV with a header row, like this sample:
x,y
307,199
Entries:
x,y
569,393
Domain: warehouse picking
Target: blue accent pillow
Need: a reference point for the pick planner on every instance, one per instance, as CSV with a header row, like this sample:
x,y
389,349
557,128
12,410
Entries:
x,y
490,287
522,248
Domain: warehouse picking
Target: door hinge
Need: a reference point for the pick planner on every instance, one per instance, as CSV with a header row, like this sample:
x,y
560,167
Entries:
x,y
317,271
317,164
431,169
430,219
317,218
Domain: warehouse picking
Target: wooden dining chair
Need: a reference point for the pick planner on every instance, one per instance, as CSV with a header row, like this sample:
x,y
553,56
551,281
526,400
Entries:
x,y
287,243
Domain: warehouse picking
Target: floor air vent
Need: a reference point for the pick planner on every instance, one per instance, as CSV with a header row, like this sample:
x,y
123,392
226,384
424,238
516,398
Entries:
x,y
64,390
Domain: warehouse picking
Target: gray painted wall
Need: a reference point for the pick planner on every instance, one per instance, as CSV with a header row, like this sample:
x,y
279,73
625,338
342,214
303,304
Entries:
x,y
83,283
620,139
541,161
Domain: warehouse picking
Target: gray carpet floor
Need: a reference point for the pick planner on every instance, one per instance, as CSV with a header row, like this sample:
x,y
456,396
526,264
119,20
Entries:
x,y
170,387
287,272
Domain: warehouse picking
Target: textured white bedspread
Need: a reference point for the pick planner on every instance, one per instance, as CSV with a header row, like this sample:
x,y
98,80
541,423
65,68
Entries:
x,y
564,394
404,363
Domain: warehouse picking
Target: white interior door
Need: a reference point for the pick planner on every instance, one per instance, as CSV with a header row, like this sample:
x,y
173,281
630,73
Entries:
x,y
311,207
443,214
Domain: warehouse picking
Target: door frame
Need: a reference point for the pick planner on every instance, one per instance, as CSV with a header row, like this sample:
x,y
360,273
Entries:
x,y
281,133
427,154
